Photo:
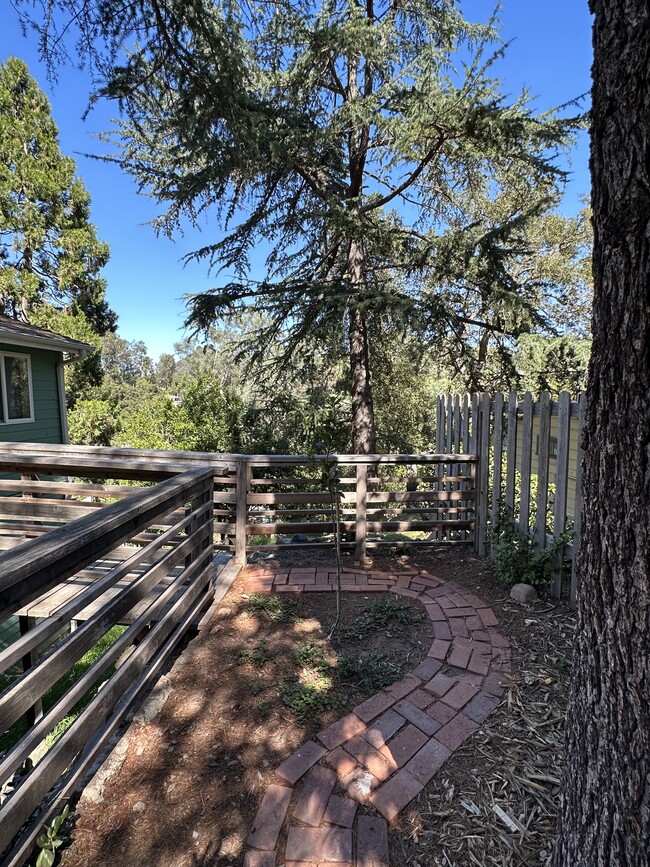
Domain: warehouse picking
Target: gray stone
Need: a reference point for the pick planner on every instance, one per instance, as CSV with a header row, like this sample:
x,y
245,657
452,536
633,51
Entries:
x,y
523,593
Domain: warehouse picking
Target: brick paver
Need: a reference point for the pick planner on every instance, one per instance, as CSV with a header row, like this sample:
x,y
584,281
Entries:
x,y
404,745
456,731
441,712
341,731
319,844
340,811
391,798
318,785
342,762
418,717
440,684
460,694
427,668
270,818
372,842
292,769
383,728
388,748
379,765
427,761
481,706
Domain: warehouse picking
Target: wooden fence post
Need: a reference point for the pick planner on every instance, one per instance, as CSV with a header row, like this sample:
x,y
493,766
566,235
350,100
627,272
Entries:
x,y
577,517
483,442
544,442
511,454
244,476
561,481
497,446
526,455
361,506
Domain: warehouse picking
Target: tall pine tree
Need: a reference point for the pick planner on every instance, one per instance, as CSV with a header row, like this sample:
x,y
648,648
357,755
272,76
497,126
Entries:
x,y
342,136
50,256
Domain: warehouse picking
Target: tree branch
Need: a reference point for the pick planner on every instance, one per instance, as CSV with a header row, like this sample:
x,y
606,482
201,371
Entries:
x,y
415,174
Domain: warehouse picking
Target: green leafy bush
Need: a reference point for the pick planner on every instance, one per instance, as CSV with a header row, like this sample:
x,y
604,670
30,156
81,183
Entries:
x,y
516,559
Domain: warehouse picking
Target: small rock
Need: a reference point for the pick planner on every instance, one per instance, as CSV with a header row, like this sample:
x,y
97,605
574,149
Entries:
x,y
523,593
224,612
140,807
195,835
139,750
358,785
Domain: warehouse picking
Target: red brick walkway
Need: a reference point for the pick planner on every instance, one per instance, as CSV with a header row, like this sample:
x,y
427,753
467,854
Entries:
x,y
385,752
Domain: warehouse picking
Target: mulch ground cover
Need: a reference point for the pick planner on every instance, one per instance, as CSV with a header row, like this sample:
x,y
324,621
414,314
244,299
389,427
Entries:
x,y
264,677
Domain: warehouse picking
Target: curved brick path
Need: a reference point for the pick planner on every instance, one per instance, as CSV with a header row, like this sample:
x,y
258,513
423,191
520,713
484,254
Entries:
x,y
385,752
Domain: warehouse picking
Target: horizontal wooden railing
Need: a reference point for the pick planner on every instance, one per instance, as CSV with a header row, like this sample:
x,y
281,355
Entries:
x,y
271,499
262,501
144,561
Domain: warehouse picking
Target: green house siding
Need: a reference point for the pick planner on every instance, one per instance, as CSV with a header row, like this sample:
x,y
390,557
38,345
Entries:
x,y
46,427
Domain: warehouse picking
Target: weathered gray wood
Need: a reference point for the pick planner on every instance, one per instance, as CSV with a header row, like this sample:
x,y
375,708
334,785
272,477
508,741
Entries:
x,y
272,499
39,510
39,564
539,537
76,489
30,658
19,752
464,424
15,700
526,456
244,476
577,518
123,686
511,453
497,446
483,474
449,420
561,484
361,502
456,431
473,414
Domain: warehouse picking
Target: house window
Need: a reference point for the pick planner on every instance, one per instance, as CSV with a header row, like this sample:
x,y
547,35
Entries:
x,y
16,386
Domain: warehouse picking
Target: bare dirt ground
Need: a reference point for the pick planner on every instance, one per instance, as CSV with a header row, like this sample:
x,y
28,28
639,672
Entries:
x,y
251,688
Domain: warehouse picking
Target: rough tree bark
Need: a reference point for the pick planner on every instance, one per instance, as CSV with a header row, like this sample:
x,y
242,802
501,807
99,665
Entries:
x,y
605,818
363,415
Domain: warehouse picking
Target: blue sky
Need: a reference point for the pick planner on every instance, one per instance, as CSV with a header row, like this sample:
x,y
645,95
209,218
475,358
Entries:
x,y
550,55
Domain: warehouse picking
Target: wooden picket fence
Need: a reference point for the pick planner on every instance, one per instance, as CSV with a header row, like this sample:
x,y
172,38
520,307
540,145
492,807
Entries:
x,y
529,461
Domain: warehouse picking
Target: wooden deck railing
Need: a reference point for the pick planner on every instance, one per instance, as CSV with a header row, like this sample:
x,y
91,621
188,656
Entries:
x,y
92,553
145,561
262,501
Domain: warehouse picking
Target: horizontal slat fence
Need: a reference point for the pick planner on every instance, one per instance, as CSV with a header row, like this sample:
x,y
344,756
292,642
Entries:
x,y
399,500
145,560
528,462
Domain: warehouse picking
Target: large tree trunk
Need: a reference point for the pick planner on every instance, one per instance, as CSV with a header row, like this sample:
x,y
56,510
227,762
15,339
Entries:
x,y
363,415
605,820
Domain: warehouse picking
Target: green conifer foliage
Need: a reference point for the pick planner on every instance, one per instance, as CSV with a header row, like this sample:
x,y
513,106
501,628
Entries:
x,y
343,139
50,256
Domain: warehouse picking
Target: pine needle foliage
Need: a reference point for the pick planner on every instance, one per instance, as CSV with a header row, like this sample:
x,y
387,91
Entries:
x,y
345,139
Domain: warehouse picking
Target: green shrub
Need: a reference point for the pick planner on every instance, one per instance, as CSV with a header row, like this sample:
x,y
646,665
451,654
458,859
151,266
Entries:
x,y
516,559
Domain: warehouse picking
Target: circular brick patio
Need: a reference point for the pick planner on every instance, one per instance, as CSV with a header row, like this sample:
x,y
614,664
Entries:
x,y
385,752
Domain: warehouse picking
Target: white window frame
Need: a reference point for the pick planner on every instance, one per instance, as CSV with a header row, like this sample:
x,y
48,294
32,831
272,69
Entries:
x,y
5,420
